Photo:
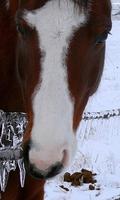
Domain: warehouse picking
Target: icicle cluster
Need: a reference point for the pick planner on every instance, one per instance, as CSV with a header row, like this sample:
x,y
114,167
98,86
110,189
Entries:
x,y
12,127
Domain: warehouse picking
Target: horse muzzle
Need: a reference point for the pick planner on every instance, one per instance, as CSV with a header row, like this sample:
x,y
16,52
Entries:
x,y
40,169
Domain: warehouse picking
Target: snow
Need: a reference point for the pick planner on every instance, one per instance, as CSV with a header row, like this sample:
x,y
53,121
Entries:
x,y
98,140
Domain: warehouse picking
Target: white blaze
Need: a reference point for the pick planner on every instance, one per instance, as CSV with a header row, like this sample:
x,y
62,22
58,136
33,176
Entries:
x,y
53,109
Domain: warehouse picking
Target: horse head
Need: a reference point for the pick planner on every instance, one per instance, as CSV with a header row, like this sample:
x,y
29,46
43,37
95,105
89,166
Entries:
x,y
59,57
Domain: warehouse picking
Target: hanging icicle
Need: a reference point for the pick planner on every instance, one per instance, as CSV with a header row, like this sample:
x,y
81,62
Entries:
x,y
12,127
22,171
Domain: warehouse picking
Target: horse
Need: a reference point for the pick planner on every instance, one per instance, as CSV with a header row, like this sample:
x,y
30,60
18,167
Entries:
x,y
52,55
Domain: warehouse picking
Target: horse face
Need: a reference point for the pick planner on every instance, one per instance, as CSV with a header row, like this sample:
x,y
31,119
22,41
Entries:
x,y
60,61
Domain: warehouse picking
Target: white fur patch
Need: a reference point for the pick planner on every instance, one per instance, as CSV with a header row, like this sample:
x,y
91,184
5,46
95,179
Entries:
x,y
52,131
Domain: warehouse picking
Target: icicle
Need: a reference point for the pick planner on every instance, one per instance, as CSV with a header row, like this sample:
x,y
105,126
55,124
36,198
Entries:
x,y
5,168
22,171
12,127
11,165
4,175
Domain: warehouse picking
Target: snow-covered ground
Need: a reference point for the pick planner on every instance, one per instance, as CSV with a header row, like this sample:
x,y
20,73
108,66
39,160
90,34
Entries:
x,y
98,140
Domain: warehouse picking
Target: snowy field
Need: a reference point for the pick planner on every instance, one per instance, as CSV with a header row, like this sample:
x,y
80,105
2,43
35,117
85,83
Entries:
x,y
98,140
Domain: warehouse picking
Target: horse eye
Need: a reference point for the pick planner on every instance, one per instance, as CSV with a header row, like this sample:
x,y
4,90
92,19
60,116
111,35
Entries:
x,y
101,38
21,29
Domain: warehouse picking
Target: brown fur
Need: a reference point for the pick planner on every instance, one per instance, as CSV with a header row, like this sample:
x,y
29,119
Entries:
x,y
11,97
8,82
85,59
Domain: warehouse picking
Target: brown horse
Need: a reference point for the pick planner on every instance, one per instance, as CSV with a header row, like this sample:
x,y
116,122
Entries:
x,y
51,61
